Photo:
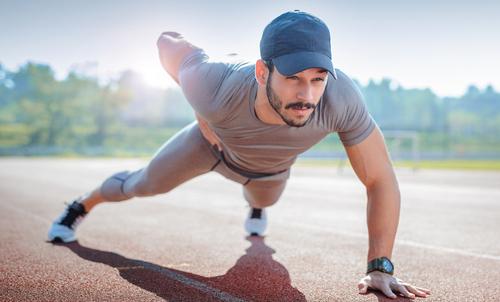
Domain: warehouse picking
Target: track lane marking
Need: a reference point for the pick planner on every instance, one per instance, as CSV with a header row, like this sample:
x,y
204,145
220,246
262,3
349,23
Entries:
x,y
399,242
323,229
214,292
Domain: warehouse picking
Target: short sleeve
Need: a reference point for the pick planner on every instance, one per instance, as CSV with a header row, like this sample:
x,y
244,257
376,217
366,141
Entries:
x,y
351,119
200,81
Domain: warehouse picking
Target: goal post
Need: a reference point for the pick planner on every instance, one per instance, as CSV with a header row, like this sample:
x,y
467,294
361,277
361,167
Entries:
x,y
401,144
397,142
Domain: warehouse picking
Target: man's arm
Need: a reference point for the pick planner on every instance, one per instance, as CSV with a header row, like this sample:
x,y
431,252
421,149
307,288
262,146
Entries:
x,y
173,49
370,160
199,80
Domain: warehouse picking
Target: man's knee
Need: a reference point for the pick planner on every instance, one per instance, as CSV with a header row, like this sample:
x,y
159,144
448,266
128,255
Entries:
x,y
263,194
125,185
259,203
112,189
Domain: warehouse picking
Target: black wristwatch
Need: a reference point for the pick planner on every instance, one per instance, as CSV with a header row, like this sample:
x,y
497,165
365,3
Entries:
x,y
382,264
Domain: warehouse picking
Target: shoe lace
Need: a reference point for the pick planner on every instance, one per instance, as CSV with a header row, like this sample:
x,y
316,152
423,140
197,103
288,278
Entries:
x,y
72,217
256,213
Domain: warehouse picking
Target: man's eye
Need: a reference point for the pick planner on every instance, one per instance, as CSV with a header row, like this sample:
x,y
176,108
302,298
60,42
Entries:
x,y
292,78
319,79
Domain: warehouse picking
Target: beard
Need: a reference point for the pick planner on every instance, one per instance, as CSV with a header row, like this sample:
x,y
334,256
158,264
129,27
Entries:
x,y
277,105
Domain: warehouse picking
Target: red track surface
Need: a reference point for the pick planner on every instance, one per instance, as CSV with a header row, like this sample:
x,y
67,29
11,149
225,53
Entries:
x,y
189,245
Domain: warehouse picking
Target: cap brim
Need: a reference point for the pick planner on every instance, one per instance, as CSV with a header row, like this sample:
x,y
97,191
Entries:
x,y
293,63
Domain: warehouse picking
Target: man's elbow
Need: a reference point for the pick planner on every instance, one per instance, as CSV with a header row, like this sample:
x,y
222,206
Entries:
x,y
166,37
170,52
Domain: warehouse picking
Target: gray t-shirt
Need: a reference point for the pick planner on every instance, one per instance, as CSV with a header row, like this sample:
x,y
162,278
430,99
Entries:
x,y
224,94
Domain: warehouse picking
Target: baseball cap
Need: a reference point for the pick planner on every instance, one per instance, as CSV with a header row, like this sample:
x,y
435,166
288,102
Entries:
x,y
295,41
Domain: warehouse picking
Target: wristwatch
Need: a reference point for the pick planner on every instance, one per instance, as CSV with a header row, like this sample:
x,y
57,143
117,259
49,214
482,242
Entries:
x,y
382,264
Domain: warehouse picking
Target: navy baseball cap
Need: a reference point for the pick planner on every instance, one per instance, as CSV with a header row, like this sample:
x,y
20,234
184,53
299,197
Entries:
x,y
296,41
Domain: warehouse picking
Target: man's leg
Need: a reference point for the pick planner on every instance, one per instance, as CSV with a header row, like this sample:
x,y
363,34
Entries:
x,y
183,157
259,195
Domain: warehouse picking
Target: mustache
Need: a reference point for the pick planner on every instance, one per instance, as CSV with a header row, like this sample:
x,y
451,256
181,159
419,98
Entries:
x,y
300,105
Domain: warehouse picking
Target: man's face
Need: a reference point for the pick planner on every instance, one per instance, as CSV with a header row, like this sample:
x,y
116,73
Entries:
x,y
295,97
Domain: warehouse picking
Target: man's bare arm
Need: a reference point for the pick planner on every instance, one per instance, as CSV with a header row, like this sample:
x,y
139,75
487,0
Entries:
x,y
370,160
173,49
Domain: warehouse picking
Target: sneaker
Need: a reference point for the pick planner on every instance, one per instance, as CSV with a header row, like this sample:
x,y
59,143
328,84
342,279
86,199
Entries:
x,y
63,228
256,222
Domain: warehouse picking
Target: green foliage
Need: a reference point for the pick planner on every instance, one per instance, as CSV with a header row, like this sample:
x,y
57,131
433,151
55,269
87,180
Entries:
x,y
40,114
403,109
492,165
50,111
455,126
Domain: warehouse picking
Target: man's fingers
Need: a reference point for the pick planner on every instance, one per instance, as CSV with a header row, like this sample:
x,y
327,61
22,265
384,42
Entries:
x,y
427,291
363,287
402,289
387,291
414,290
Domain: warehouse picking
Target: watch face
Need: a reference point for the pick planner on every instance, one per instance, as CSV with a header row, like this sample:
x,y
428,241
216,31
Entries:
x,y
387,265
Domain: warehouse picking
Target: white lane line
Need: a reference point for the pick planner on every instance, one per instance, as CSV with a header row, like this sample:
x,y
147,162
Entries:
x,y
398,242
216,293
189,282
447,250
24,212
342,233
287,224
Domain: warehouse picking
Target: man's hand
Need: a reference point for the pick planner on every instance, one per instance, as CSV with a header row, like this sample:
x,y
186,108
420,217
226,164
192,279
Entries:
x,y
208,133
389,284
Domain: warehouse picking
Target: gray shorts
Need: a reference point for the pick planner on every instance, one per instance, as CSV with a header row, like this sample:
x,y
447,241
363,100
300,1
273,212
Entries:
x,y
184,156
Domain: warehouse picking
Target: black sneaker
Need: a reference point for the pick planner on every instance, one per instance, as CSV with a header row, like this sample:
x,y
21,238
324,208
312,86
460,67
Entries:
x,y
63,228
256,222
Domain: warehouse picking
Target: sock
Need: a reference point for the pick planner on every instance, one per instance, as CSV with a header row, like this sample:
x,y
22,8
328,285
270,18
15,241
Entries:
x,y
256,213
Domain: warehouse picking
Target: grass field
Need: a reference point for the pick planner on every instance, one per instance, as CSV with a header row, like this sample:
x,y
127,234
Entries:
x,y
449,164
490,165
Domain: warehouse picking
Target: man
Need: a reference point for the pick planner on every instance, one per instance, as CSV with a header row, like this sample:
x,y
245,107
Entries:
x,y
253,121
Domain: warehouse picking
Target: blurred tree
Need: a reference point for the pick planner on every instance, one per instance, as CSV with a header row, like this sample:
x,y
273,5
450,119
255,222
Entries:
x,y
6,112
39,103
403,109
4,90
80,111
106,107
55,112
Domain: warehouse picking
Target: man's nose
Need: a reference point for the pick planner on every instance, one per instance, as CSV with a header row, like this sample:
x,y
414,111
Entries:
x,y
305,93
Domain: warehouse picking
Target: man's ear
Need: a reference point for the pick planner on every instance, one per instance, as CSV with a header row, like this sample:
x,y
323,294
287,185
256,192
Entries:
x,y
261,72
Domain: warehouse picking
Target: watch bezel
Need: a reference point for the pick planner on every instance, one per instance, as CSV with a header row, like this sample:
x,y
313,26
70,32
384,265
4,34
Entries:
x,y
379,264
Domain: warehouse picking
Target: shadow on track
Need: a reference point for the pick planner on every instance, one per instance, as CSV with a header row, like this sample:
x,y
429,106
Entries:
x,y
255,276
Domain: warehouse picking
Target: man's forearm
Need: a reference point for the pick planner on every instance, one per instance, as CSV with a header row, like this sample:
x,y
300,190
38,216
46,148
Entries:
x,y
382,217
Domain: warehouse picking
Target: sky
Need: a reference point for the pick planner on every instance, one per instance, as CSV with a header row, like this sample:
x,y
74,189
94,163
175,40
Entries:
x,y
443,45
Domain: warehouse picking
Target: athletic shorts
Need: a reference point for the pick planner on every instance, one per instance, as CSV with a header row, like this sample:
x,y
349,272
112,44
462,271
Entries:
x,y
184,156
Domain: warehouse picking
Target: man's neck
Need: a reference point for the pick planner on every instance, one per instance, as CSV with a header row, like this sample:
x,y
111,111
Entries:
x,y
263,109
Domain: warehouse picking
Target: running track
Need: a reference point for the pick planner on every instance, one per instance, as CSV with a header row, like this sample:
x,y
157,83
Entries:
x,y
189,244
